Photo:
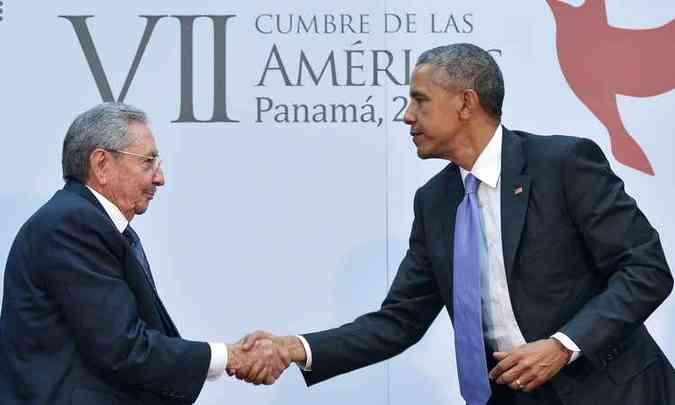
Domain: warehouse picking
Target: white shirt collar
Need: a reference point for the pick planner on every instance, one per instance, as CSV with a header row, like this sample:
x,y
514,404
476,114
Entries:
x,y
111,209
488,166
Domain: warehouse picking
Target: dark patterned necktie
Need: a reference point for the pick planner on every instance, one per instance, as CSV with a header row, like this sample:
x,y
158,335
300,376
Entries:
x,y
469,255
135,242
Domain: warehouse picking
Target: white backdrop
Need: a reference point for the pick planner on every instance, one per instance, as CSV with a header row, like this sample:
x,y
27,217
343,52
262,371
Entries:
x,y
298,226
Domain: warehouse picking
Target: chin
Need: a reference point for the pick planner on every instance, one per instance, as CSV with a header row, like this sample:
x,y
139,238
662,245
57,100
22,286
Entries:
x,y
141,210
422,154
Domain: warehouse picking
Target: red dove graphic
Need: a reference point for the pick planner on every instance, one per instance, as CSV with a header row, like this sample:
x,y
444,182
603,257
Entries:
x,y
600,61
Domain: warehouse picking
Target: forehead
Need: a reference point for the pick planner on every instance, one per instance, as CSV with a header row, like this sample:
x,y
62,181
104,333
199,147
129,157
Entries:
x,y
427,78
142,136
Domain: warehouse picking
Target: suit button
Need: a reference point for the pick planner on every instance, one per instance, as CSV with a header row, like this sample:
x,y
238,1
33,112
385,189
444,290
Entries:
x,y
610,357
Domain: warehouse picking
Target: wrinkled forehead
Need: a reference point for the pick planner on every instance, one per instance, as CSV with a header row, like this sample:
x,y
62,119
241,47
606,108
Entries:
x,y
141,137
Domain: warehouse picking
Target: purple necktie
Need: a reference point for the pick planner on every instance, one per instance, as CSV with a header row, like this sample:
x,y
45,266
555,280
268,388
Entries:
x,y
469,256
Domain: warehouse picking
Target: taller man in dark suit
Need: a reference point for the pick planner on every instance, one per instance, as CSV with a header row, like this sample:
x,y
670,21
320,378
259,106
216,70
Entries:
x,y
82,322
545,265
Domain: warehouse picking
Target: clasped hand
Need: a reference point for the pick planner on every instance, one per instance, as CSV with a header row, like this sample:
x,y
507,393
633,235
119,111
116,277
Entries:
x,y
261,358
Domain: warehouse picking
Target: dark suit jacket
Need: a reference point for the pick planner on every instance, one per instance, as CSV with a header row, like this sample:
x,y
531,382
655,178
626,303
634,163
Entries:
x,y
580,258
80,324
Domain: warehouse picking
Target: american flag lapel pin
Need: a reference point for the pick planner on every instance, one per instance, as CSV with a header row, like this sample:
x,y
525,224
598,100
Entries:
x,y
518,190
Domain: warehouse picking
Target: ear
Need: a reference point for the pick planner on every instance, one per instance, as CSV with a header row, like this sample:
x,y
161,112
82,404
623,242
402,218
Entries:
x,y
470,104
99,166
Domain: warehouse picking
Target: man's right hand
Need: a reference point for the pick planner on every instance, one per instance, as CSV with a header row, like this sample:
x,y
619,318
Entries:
x,y
288,349
261,362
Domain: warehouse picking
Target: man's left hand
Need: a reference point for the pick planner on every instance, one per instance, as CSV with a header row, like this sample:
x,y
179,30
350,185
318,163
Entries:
x,y
530,365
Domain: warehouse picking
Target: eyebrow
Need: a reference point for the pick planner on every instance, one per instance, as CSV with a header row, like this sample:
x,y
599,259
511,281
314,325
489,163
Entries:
x,y
417,94
152,153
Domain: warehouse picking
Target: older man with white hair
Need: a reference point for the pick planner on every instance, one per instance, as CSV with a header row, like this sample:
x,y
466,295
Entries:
x,y
82,321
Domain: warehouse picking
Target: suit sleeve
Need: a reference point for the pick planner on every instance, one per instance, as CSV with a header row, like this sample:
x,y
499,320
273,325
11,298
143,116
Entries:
x,y
411,305
86,279
624,248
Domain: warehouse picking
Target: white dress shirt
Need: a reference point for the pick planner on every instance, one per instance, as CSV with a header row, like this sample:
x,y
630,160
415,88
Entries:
x,y
219,356
500,328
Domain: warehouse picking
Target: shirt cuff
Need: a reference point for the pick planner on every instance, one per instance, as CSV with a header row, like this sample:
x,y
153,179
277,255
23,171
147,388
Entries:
x,y
218,361
569,345
308,353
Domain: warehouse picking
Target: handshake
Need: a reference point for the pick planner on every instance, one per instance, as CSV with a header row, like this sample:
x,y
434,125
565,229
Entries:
x,y
261,358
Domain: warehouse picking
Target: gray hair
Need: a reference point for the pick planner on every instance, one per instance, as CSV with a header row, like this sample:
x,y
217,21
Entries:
x,y
467,66
104,126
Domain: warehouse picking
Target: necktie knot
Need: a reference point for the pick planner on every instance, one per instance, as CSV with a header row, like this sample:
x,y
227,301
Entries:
x,y
137,248
131,236
471,184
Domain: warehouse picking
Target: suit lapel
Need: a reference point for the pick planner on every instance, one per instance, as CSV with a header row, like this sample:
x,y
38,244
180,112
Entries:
x,y
455,193
147,295
442,212
150,305
142,291
515,193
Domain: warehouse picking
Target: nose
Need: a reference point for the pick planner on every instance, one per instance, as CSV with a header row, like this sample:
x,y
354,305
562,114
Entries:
x,y
409,116
158,177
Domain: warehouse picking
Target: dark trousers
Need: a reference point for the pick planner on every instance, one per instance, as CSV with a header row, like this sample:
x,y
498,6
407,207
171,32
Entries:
x,y
503,395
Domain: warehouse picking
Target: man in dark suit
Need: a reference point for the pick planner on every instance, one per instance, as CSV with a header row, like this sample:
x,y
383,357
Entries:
x,y
82,322
545,265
